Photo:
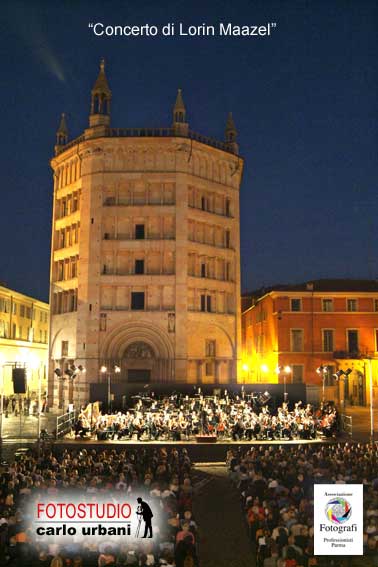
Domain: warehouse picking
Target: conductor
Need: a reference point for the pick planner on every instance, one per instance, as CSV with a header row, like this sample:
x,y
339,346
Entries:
x,y
145,511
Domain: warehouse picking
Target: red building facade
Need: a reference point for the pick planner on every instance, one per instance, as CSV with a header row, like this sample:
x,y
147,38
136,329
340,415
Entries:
x,y
310,332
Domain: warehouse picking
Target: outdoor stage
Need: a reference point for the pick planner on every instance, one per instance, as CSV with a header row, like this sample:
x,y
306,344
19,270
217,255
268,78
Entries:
x,y
198,452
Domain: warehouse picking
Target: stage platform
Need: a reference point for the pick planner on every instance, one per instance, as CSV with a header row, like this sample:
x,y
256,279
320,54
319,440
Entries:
x,y
198,452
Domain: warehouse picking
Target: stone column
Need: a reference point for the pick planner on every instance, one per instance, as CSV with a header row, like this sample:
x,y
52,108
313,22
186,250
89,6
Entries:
x,y
231,371
200,364
217,371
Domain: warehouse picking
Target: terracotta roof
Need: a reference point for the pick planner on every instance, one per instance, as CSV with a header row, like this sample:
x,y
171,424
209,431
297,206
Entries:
x,y
326,285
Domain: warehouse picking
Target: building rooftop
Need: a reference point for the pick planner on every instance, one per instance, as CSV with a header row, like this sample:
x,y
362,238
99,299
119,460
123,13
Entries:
x,y
5,289
100,117
321,285
151,133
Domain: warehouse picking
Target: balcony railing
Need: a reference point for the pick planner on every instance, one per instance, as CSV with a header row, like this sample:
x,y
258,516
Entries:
x,y
192,274
70,144
198,310
153,133
213,244
114,202
211,212
123,236
348,354
128,308
112,272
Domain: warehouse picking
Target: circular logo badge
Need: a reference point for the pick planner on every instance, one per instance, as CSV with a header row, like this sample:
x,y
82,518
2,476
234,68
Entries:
x,y
338,510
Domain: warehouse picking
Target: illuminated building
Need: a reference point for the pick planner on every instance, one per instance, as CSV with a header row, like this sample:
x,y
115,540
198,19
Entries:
x,y
145,269
309,332
24,324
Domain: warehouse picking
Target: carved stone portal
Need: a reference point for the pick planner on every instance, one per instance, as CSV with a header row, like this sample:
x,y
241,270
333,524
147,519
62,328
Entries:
x,y
139,350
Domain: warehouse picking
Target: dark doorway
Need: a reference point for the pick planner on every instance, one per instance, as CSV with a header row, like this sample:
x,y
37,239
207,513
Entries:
x,y
139,375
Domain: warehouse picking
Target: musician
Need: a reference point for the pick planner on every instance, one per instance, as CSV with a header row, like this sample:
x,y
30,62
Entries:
x,y
82,426
238,430
233,418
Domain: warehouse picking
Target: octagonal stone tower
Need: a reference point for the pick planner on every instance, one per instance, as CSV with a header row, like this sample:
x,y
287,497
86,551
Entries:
x,y
145,259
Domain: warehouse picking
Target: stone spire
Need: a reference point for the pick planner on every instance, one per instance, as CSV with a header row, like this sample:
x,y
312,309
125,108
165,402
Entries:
x,y
61,133
179,111
180,125
231,134
100,100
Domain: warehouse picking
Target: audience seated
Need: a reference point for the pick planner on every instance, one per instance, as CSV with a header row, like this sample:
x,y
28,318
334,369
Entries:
x,y
162,476
276,490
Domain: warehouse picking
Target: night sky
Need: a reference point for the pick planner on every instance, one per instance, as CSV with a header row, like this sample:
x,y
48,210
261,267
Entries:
x,y
304,101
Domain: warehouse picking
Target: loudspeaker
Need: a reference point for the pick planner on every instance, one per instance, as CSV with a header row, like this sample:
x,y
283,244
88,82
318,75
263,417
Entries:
x,y
19,380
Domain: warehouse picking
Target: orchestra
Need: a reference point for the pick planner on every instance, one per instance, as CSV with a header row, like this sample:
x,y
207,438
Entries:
x,y
228,417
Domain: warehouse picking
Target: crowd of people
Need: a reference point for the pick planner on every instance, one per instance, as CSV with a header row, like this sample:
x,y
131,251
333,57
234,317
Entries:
x,y
163,477
277,496
24,405
233,417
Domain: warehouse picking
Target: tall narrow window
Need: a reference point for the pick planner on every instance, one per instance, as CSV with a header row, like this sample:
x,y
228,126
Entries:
x,y
228,271
353,341
297,370
139,266
210,348
203,270
327,340
139,231
297,340
206,303
102,321
137,300
204,204
327,304
352,305
296,305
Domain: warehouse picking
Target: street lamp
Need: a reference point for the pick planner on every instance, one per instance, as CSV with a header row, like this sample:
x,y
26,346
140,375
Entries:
x,y
35,364
2,362
341,377
77,371
59,374
104,371
285,371
371,399
323,372
246,370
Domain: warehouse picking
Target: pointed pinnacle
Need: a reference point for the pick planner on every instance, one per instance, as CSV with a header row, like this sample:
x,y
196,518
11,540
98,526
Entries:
x,y
179,104
230,124
101,85
63,125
